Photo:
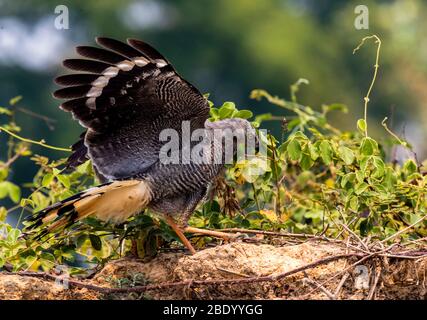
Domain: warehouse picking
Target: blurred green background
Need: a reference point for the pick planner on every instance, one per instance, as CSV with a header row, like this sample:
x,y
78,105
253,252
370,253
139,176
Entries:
x,y
227,48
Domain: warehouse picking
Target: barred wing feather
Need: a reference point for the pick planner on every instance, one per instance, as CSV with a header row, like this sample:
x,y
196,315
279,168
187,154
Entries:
x,y
125,95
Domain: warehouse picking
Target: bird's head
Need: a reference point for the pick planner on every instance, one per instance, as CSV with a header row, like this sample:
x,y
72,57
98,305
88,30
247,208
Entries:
x,y
232,124
235,133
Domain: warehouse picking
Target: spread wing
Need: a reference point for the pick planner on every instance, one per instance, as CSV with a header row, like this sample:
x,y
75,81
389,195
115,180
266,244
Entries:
x,y
126,95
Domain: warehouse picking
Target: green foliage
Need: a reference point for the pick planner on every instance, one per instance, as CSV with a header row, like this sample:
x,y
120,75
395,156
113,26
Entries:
x,y
314,181
321,178
228,110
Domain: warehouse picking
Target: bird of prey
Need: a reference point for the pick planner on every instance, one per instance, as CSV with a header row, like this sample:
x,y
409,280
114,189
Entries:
x,y
125,95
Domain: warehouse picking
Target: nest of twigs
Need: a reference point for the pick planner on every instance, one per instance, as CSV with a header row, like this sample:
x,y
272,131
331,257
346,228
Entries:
x,y
260,265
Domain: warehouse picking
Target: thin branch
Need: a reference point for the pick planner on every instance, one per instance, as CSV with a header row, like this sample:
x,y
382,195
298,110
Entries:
x,y
404,230
364,257
9,162
278,204
256,198
40,143
341,284
212,233
376,67
284,234
374,285
355,236
324,290
395,136
233,272
49,121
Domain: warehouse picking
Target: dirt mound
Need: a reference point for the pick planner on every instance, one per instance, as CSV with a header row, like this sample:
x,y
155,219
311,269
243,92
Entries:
x,y
240,271
15,287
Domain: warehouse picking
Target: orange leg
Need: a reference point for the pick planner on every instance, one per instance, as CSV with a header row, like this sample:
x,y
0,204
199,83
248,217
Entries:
x,y
181,235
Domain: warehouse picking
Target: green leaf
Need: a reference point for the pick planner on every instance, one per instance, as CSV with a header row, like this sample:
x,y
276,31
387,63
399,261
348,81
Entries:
x,y
293,123
5,111
314,153
379,167
368,146
410,167
214,111
354,203
47,261
81,239
360,188
294,149
84,167
361,125
4,172
27,202
11,126
244,114
300,136
389,180
227,110
326,152
335,106
65,180
282,149
95,241
364,165
15,100
350,177
360,176
47,179
30,260
306,161
13,235
346,154
263,117
4,191
14,191
3,214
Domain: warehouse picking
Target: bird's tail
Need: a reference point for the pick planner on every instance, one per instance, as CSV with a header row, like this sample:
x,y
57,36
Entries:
x,y
114,202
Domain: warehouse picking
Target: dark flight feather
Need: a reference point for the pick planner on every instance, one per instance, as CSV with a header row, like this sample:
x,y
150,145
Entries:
x,y
147,50
133,89
100,54
72,92
118,46
85,65
76,79
128,94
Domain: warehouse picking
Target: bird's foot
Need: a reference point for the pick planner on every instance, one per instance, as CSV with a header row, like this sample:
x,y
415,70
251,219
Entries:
x,y
180,234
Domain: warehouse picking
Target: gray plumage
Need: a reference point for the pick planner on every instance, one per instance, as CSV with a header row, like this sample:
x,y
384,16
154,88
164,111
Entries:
x,y
126,96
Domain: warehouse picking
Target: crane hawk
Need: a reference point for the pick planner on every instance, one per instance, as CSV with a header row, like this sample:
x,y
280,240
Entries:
x,y
125,96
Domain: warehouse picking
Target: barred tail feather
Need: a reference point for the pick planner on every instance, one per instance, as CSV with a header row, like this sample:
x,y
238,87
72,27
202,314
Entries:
x,y
114,202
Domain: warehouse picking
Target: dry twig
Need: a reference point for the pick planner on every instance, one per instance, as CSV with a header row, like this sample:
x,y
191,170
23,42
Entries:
x,y
271,278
